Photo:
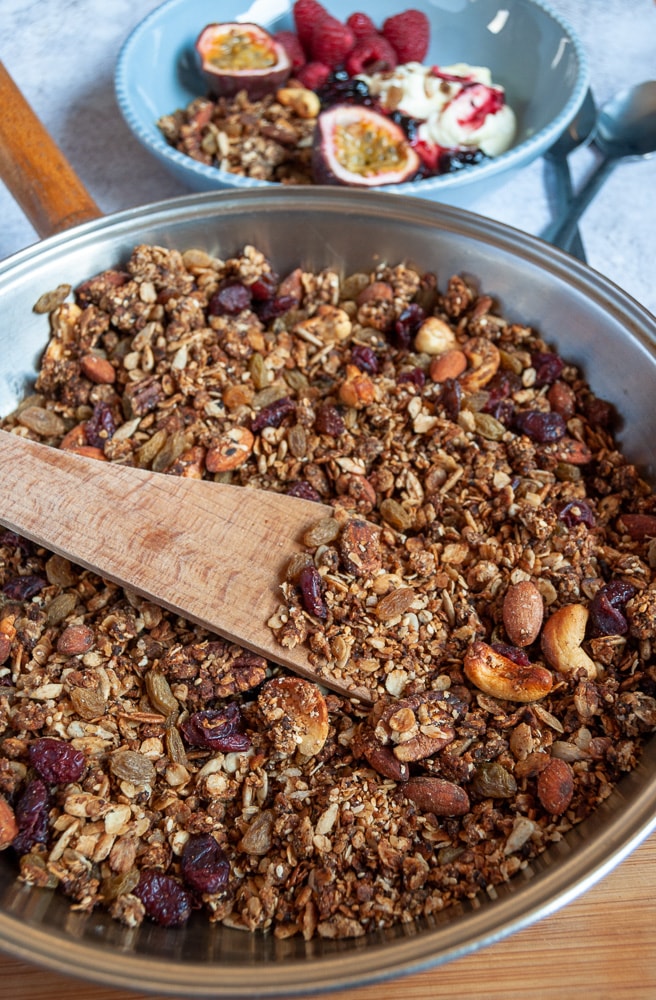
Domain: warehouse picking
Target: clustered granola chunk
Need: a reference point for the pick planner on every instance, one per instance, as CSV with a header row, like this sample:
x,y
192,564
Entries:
x,y
487,576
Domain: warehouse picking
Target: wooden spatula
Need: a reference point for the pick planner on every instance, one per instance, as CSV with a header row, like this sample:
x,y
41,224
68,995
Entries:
x,y
213,553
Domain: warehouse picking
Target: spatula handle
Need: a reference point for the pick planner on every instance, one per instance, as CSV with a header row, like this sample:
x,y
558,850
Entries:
x,y
34,169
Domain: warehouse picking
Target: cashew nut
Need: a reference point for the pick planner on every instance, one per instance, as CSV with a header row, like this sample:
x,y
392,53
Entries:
x,y
304,102
501,677
484,360
562,636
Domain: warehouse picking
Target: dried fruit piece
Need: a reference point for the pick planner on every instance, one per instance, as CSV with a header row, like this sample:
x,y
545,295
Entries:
x,y
31,817
296,714
56,761
164,899
359,147
203,864
217,729
309,581
130,765
236,57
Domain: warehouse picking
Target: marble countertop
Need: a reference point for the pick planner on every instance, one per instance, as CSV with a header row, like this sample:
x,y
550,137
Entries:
x,y
62,53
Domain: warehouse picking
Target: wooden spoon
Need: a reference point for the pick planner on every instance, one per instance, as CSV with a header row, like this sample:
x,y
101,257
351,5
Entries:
x,y
214,554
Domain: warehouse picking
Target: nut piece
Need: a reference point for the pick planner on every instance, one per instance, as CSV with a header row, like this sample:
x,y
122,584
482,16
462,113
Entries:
x,y
562,635
75,640
556,786
484,360
296,714
523,611
230,450
501,677
434,336
97,369
357,389
448,365
8,824
437,796
304,102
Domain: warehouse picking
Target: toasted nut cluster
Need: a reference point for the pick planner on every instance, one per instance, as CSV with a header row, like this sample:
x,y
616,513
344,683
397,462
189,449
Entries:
x,y
485,577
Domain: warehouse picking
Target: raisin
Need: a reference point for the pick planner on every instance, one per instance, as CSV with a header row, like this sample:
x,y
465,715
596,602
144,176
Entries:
x,y
22,588
577,512
101,426
164,899
303,490
230,298
416,377
203,865
273,414
406,325
451,397
56,761
310,584
607,609
217,729
11,540
364,358
32,817
548,367
264,288
513,653
272,308
329,420
599,412
540,427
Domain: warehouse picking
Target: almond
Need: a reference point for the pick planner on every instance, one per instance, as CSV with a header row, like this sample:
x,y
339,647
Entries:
x,y
523,611
572,451
75,640
556,786
98,370
448,365
437,796
501,677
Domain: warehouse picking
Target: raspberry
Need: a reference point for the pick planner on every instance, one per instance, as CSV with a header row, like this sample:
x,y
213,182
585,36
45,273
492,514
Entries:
x,y
371,55
361,25
313,75
292,47
331,42
307,14
408,34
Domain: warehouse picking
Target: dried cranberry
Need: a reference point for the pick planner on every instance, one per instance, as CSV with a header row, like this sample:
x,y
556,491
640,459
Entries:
x,y
56,761
230,298
499,389
607,609
304,491
599,412
451,397
311,595
540,427
264,287
416,377
217,729
164,899
407,325
31,817
364,358
577,512
329,420
10,540
272,308
101,426
273,414
203,865
548,367
513,653
22,588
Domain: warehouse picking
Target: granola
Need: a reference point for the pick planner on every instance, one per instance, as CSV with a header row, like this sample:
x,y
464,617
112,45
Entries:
x,y
487,574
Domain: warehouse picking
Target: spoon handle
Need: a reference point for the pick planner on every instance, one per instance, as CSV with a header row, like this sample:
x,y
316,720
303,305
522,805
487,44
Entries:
x,y
563,193
560,233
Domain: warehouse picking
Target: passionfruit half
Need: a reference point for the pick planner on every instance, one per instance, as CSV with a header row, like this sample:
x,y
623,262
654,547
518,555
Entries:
x,y
236,57
359,147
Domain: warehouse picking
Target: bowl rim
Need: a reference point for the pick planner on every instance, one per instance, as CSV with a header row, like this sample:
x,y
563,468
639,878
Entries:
x,y
213,177
580,864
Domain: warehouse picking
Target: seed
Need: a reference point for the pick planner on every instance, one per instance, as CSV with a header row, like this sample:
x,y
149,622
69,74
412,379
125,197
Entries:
x,y
397,602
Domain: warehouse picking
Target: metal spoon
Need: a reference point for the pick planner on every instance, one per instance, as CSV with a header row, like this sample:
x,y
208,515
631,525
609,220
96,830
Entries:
x,y
625,130
574,135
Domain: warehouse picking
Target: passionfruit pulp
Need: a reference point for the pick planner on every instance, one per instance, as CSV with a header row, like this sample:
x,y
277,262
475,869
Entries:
x,y
236,57
359,147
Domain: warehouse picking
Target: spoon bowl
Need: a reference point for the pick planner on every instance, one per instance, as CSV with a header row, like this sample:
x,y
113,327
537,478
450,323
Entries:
x,y
625,130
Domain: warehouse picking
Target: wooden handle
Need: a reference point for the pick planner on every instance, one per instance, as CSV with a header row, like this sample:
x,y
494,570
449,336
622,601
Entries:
x,y
35,170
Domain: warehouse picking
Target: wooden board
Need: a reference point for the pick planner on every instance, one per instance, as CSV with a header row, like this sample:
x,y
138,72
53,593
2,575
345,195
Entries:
x,y
603,946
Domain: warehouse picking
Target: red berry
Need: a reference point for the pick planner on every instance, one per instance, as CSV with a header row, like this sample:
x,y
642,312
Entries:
x,y
307,14
331,42
408,34
313,75
373,54
292,46
361,25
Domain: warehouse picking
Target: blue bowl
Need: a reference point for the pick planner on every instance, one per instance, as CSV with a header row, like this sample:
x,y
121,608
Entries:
x,y
531,51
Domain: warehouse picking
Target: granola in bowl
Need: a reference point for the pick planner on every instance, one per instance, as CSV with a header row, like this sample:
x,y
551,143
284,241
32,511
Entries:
x,y
487,574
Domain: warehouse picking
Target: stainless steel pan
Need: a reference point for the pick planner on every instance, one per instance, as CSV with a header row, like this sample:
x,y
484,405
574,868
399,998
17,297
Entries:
x,y
591,321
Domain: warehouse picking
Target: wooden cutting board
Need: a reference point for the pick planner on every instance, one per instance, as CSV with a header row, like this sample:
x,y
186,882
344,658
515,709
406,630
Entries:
x,y
601,946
